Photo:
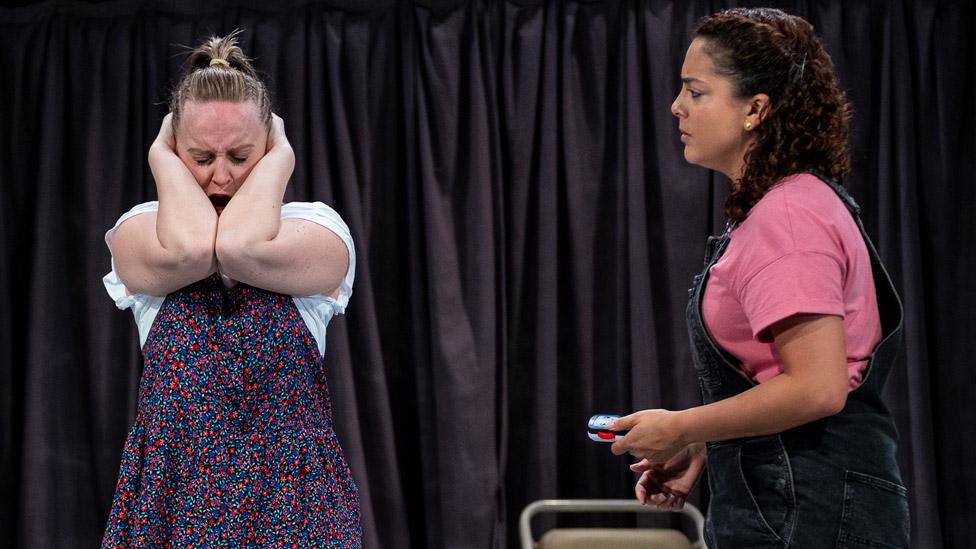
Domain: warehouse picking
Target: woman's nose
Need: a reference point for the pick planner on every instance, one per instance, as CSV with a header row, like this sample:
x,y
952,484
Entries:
x,y
675,107
221,174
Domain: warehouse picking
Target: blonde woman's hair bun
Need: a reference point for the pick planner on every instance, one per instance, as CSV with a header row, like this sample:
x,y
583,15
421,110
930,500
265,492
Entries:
x,y
218,70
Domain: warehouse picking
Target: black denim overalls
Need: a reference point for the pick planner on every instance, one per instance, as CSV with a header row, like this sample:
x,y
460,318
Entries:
x,y
830,483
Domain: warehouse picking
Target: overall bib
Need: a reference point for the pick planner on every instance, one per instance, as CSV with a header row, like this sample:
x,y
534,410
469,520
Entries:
x,y
830,483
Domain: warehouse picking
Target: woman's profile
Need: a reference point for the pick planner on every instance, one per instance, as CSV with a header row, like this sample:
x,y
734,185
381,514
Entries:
x,y
794,321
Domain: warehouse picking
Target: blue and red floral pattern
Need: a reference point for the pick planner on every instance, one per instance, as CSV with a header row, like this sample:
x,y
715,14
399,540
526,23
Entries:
x,y
232,444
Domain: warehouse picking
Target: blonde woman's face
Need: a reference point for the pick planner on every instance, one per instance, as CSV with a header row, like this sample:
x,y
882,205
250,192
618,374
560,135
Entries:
x,y
711,120
220,142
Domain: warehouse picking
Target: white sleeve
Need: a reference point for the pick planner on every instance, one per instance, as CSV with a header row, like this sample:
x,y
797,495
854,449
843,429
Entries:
x,y
318,310
325,216
144,307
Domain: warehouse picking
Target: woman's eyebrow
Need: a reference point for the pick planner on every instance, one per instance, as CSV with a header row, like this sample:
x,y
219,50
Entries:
x,y
238,149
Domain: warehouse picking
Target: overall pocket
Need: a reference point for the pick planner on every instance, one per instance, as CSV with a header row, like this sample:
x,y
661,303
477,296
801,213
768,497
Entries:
x,y
768,479
753,503
875,513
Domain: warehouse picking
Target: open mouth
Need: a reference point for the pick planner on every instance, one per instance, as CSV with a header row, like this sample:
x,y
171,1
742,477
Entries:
x,y
219,201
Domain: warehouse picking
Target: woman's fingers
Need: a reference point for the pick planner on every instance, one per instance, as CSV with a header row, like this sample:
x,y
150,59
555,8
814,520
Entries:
x,y
667,502
656,485
642,465
658,499
644,487
276,134
166,132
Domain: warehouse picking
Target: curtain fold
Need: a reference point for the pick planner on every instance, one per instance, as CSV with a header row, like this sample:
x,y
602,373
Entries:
x,y
526,230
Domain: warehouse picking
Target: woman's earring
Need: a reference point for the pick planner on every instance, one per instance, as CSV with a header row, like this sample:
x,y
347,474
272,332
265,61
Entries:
x,y
748,125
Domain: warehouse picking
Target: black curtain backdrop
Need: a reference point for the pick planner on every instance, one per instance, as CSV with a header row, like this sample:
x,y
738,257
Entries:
x,y
526,229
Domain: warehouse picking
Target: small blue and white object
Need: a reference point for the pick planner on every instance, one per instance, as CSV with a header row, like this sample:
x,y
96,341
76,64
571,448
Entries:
x,y
598,431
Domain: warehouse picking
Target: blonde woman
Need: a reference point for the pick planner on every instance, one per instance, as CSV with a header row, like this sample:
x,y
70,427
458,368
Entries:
x,y
232,443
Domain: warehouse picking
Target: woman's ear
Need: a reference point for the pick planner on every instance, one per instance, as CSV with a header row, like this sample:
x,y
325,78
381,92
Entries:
x,y
757,112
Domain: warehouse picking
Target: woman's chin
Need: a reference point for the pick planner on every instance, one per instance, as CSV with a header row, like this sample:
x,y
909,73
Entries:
x,y
692,158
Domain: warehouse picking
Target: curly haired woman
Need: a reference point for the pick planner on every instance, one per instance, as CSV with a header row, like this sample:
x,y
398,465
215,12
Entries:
x,y
794,321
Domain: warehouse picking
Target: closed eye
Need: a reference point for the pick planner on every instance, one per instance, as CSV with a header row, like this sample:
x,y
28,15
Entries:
x,y
203,161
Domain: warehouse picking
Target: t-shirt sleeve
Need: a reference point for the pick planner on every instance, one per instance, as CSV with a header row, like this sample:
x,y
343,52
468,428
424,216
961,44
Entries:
x,y
113,284
319,213
797,282
144,307
795,262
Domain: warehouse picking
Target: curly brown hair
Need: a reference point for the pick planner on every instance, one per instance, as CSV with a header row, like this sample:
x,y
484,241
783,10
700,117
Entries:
x,y
217,70
763,50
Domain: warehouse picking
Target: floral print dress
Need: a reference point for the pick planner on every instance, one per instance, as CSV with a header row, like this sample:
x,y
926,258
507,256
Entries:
x,y
232,444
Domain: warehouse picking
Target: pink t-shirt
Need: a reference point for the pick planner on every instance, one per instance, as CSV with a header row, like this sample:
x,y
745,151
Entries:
x,y
798,251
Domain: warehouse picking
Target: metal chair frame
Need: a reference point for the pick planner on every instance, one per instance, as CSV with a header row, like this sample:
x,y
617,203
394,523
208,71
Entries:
x,y
600,506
